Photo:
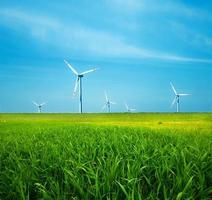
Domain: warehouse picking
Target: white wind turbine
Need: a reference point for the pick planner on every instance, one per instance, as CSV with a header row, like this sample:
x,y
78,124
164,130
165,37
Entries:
x,y
107,103
78,82
128,109
39,106
177,97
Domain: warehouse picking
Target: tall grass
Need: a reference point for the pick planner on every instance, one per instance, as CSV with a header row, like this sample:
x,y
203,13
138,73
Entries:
x,y
67,161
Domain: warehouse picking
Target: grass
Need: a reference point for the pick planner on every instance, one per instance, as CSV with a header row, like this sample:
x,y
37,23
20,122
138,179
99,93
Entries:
x,y
106,156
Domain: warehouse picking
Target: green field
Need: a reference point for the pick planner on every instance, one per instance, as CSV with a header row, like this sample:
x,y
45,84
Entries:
x,y
106,156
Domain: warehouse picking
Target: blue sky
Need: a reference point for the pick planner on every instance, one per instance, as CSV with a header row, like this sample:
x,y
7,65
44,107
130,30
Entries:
x,y
139,46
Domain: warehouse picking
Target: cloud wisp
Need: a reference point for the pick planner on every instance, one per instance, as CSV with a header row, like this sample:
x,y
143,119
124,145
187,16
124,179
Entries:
x,y
76,37
176,8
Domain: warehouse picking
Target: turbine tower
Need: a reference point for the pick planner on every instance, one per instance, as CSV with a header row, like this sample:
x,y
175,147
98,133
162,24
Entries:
x,y
39,106
78,82
177,97
107,103
128,109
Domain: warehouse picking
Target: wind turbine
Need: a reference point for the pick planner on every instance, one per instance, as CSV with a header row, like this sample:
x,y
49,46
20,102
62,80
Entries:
x,y
39,106
128,109
78,82
177,97
107,103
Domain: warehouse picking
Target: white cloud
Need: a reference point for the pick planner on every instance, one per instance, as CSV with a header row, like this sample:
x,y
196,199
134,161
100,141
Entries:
x,y
81,38
208,41
192,37
204,40
36,24
125,5
158,7
23,17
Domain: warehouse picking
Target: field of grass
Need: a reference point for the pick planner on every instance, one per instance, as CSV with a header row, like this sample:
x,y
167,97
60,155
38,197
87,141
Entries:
x,y
106,156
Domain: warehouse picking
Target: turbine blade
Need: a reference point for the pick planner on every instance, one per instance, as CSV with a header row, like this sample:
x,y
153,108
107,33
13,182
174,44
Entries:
x,y
184,94
35,103
111,102
72,69
103,107
42,104
132,109
106,96
173,102
76,86
173,88
86,72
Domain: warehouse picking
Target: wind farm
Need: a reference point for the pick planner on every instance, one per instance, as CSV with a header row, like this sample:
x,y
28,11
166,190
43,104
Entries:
x,y
108,100
113,155
125,154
